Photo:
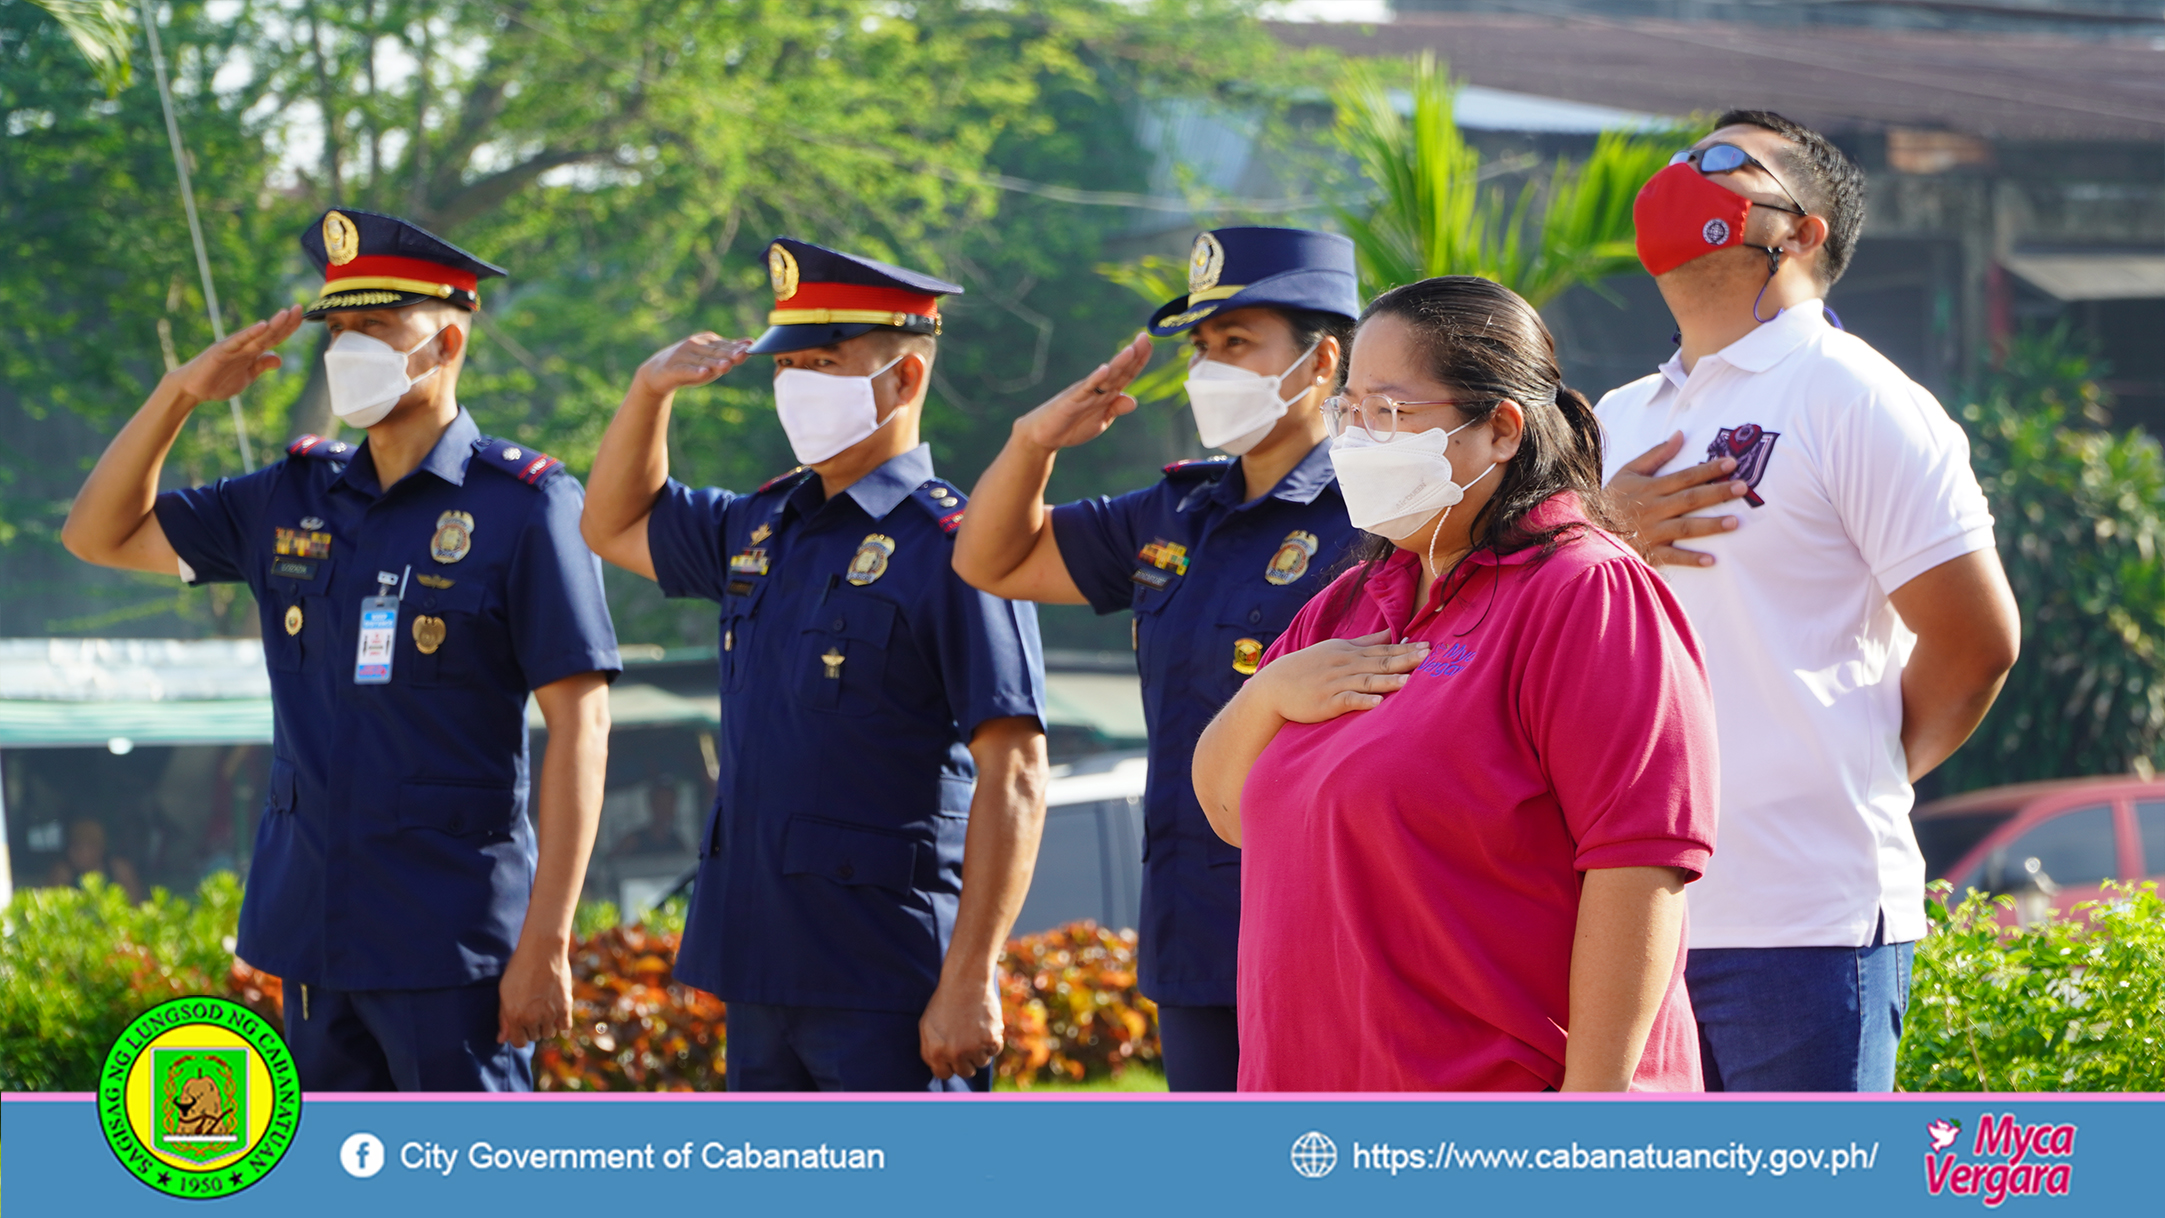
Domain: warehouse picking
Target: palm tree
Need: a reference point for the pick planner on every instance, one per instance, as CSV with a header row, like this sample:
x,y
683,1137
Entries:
x,y
104,31
1434,216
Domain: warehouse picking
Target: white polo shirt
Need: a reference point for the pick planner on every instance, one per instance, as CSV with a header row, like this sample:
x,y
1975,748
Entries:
x,y
1864,483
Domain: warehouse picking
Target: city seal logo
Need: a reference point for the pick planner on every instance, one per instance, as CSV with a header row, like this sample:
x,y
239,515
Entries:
x,y
1314,1155
1716,231
199,1098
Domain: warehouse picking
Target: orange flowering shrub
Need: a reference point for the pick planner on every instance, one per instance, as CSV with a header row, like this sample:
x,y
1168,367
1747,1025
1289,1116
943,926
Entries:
x,y
633,1026
1071,1007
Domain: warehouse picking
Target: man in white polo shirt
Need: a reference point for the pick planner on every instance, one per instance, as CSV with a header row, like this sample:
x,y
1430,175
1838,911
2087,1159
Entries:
x,y
1855,620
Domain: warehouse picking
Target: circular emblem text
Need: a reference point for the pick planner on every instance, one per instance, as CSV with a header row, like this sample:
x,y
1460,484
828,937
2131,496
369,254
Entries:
x,y
199,1098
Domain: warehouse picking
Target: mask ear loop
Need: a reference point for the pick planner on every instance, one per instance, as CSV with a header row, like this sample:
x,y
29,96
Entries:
x,y
882,371
1774,264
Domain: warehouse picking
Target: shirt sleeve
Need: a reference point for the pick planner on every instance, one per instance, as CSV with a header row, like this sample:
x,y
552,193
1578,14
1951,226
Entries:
x,y
211,527
991,661
1899,476
1616,702
1098,543
685,536
559,616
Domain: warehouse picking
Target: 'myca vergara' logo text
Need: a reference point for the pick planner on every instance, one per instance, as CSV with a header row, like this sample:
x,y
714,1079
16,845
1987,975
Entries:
x,y
2007,1160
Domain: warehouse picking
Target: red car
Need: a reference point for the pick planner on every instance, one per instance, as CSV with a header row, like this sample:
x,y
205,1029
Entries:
x,y
2078,832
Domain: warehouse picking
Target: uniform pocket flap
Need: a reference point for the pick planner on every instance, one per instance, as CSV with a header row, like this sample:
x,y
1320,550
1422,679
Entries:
x,y
848,854
461,597
282,780
456,809
1264,615
855,617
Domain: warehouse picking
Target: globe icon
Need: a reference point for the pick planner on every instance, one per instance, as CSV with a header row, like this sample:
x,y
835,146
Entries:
x,y
1314,1155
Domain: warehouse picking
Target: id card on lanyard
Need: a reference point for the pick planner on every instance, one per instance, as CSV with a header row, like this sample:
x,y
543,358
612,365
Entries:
x,y
379,628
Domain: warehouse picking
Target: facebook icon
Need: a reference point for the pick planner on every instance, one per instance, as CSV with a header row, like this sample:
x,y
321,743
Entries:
x,y
361,1156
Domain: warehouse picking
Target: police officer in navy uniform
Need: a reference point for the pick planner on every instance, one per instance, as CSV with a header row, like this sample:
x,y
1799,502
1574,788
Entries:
x,y
882,721
414,588
1213,561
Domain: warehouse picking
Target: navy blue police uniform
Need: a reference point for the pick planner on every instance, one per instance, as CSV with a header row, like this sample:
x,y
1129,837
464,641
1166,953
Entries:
x,y
394,858
1212,581
855,667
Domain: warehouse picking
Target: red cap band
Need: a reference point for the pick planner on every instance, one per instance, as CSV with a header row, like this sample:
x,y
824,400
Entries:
x,y
387,266
860,296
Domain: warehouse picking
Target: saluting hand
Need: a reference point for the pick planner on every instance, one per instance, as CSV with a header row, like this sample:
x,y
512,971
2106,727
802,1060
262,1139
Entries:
x,y
1335,676
1655,507
225,368
695,361
1082,411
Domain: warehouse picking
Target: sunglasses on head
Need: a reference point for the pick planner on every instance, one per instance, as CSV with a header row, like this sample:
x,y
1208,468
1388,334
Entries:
x,y
1728,158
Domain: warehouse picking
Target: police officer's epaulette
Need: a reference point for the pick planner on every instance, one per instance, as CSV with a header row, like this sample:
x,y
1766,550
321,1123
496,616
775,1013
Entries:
x,y
532,468
944,502
320,448
782,479
1196,467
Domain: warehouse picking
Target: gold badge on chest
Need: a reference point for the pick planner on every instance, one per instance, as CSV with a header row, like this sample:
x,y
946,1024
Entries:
x,y
1291,560
293,619
454,537
428,634
1247,656
871,560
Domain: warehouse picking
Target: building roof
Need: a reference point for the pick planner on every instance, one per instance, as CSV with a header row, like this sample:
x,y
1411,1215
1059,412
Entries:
x,y
1830,77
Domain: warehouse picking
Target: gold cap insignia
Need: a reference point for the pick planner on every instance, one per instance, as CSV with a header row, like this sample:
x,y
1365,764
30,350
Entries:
x,y
428,634
341,240
871,560
454,537
1247,656
1205,263
782,269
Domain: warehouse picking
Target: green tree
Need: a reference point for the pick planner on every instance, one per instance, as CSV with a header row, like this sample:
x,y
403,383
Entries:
x,y
2079,512
627,162
1438,213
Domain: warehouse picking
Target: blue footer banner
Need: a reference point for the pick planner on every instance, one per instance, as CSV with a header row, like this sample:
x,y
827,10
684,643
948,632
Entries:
x,y
375,1155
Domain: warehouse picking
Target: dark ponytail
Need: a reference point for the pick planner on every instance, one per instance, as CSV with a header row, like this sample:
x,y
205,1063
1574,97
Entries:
x,y
1485,341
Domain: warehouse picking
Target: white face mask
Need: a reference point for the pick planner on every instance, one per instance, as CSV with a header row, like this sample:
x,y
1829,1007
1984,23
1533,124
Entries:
x,y
367,376
1235,408
1392,489
825,414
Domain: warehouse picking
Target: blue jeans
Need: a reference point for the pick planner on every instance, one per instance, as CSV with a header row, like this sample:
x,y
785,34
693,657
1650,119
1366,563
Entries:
x,y
1800,1018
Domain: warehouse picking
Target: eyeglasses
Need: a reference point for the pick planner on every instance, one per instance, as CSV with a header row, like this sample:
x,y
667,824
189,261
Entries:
x,y
1728,158
1381,417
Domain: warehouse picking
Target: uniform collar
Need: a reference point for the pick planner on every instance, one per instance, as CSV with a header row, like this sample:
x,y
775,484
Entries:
x,y
1301,484
884,489
1766,346
448,460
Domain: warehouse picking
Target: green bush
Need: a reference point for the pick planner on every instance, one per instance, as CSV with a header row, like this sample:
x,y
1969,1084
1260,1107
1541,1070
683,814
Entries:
x,y
2080,516
76,964
2074,1003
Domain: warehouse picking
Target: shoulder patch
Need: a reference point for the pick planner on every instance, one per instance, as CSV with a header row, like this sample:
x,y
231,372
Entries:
x,y
532,468
944,502
781,478
1196,467
317,446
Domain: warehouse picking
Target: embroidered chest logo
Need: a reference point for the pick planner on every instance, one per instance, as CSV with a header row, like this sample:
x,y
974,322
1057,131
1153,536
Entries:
x,y
1291,560
1752,446
1451,659
297,543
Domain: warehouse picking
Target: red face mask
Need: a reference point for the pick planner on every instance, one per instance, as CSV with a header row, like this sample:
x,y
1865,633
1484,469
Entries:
x,y
1681,215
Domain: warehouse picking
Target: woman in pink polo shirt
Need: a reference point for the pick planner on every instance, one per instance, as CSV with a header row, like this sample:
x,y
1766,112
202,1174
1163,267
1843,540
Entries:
x,y
1474,776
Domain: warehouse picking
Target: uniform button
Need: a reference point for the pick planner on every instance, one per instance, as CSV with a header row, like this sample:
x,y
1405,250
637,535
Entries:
x,y
512,454
1254,616
839,623
845,871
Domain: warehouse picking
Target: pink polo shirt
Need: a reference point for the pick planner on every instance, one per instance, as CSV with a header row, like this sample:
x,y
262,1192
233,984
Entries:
x,y
1410,874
